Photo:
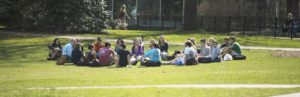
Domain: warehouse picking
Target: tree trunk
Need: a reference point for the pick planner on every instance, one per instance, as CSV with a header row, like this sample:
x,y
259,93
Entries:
x,y
190,15
293,7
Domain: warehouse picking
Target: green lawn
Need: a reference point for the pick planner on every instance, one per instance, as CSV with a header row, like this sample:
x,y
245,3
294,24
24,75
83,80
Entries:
x,y
23,65
181,36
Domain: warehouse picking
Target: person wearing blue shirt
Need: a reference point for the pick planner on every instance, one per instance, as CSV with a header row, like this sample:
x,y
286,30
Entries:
x,y
152,57
67,50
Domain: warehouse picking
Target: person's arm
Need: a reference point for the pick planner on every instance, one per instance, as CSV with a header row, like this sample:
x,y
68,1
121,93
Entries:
x,y
125,12
50,46
118,59
128,59
167,47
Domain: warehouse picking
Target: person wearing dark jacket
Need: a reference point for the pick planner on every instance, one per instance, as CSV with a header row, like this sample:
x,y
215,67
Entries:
x,y
54,49
77,55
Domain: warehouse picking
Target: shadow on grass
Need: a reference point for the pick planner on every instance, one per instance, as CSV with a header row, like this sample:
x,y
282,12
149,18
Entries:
x,y
15,56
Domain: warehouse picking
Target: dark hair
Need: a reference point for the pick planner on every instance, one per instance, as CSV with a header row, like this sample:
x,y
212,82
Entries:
x,y
188,43
54,41
99,39
203,40
155,45
123,46
107,44
120,40
232,37
90,46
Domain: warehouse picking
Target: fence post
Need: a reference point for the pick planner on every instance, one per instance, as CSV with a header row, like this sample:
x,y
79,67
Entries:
x,y
175,20
150,23
259,21
244,24
138,22
201,22
229,24
215,24
162,23
275,28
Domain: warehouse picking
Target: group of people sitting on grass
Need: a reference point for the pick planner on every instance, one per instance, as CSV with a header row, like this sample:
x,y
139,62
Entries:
x,y
101,54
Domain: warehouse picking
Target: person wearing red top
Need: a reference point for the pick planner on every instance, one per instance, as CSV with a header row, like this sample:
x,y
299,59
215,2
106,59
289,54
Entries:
x,y
98,45
106,55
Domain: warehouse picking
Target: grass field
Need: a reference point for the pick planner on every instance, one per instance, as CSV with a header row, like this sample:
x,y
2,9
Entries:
x,y
23,65
181,36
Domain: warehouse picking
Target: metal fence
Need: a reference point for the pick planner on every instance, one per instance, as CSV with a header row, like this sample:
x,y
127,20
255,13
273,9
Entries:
x,y
244,25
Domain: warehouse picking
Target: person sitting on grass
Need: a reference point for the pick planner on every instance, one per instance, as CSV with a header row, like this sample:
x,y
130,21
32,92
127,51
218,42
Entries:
x,y
152,57
215,52
234,47
90,58
118,46
136,51
107,55
225,42
67,50
98,45
77,55
204,54
190,54
163,46
123,57
54,50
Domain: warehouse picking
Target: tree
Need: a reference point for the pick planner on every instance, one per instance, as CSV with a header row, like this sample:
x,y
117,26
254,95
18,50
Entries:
x,y
190,15
56,15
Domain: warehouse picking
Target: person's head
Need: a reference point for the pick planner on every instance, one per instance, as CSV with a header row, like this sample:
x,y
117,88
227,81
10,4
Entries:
x,y
73,42
232,39
99,40
120,42
210,41
56,41
155,45
203,42
162,39
77,46
214,43
152,41
123,46
192,40
136,41
123,6
188,44
226,40
140,40
290,16
91,47
107,44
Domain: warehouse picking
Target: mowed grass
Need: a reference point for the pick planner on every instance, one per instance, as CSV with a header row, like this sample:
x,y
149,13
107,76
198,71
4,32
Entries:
x,y
179,36
23,65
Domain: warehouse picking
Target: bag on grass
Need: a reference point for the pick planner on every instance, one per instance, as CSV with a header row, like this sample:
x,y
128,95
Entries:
x,y
239,57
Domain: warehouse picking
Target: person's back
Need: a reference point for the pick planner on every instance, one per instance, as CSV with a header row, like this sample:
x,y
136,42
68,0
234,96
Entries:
x,y
67,50
77,55
104,57
154,55
123,57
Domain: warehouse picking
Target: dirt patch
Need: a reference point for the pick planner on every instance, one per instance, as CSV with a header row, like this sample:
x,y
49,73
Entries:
x,y
286,54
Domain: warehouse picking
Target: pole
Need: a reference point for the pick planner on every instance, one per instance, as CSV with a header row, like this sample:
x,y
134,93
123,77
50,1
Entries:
x,y
160,5
183,8
276,18
112,9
